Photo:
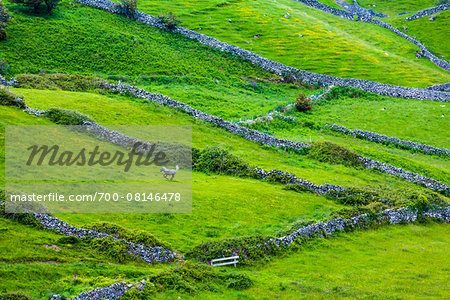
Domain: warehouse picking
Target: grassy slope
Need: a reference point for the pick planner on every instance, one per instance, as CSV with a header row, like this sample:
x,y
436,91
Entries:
x,y
394,262
70,41
430,33
27,265
329,45
418,121
395,121
354,113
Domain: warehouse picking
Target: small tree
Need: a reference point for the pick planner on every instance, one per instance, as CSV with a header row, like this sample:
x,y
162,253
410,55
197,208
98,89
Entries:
x,y
170,20
4,17
51,4
130,6
302,103
35,4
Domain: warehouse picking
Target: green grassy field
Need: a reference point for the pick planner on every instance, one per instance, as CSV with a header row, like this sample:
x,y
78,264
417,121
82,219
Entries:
x,y
46,264
401,261
68,41
429,33
265,213
396,262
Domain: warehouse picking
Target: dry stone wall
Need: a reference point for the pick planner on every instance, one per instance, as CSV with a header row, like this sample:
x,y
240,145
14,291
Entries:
x,y
147,254
389,216
380,138
428,11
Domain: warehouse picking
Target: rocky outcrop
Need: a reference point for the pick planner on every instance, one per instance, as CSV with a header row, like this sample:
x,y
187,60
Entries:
x,y
278,68
428,11
379,138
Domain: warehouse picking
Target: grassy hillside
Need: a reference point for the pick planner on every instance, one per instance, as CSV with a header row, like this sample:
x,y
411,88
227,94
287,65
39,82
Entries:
x,y
429,33
89,41
329,44
400,262
46,263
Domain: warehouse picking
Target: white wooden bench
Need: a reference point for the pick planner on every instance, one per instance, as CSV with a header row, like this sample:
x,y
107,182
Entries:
x,y
233,260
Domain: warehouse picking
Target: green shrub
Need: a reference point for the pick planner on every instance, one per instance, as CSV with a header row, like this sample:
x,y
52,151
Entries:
x,y
333,153
51,4
249,248
116,250
9,99
342,91
4,67
219,160
59,81
35,4
440,2
302,103
191,279
354,196
32,81
238,281
170,20
297,188
68,240
130,6
66,117
135,236
24,218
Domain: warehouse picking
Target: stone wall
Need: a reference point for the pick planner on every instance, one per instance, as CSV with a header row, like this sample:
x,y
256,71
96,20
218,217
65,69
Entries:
x,y
429,183
147,254
389,216
356,9
5,82
440,87
278,68
114,291
379,138
428,11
